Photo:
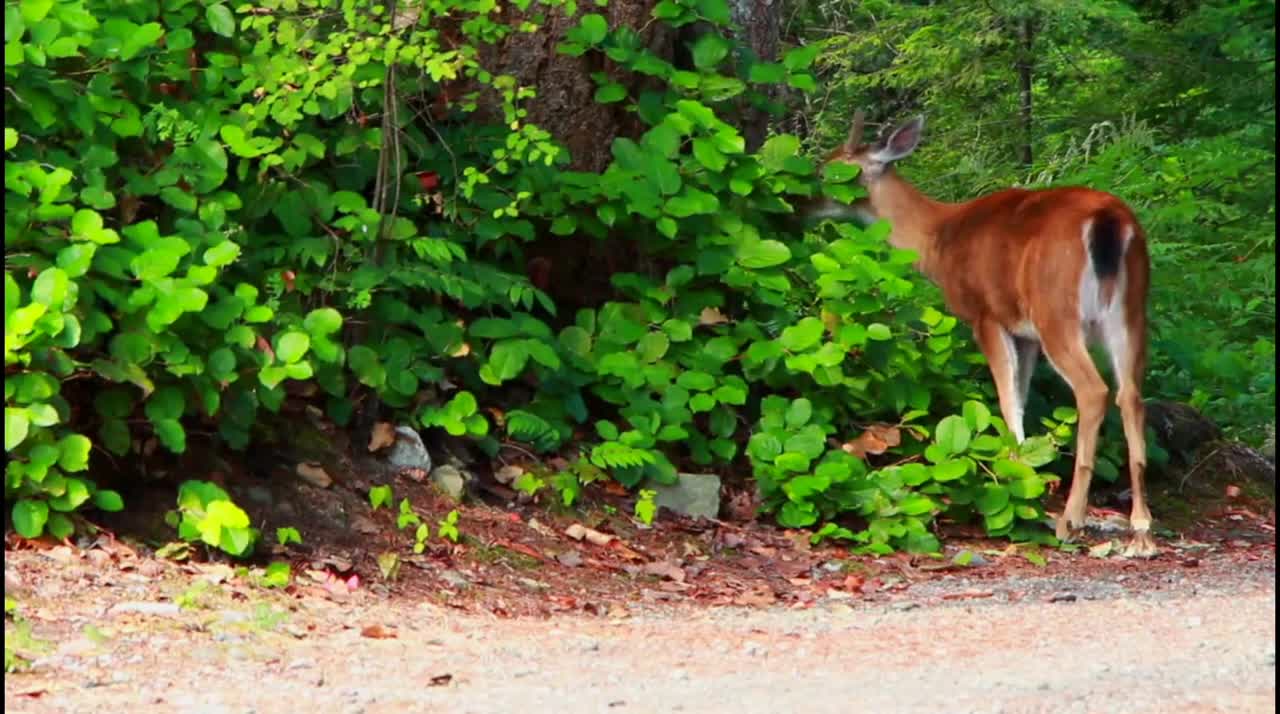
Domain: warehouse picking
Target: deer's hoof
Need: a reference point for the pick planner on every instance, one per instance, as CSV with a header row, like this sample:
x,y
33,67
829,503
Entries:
x,y
1142,545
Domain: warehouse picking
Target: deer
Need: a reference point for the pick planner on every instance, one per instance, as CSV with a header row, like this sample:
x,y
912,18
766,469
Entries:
x,y
1049,271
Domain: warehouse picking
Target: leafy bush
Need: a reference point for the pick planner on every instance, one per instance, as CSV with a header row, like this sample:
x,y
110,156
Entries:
x,y
199,218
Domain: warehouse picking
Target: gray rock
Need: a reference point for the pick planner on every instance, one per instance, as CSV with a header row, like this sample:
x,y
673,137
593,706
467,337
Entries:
x,y
695,495
161,609
451,480
409,452
455,580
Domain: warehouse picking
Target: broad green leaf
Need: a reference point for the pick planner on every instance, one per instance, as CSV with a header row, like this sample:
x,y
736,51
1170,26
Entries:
x,y
220,19
73,453
507,359
291,346
976,416
992,499
802,335
17,423
50,288
29,517
953,434
761,254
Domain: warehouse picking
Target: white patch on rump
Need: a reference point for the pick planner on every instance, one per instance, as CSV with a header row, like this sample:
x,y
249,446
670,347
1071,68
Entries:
x,y
1103,319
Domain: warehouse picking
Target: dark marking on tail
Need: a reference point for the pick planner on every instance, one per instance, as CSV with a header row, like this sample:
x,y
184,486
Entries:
x,y
1106,245
1106,250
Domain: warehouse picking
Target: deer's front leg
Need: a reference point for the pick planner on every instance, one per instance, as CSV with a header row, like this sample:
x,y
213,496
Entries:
x,y
1002,354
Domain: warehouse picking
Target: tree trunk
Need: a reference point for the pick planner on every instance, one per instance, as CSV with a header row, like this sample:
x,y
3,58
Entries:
x,y
760,22
1026,60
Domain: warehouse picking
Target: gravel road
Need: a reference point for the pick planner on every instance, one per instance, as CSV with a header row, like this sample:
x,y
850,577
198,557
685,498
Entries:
x,y
1018,645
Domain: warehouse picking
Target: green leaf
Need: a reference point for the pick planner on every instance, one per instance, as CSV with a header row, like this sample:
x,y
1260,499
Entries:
x,y
73,452
705,151
107,500
594,28
507,360
17,424
709,50
696,381
59,526
322,321
878,331
802,335
29,517
1027,488
976,416
10,138
799,412
801,58
797,515
776,151
220,19
50,288
610,93
953,434
1037,451
653,346
224,253
992,499
950,470
140,39
171,435
34,11
762,254
291,346
74,494
76,258
916,505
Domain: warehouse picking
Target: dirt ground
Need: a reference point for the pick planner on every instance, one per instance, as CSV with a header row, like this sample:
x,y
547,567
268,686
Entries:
x,y
681,617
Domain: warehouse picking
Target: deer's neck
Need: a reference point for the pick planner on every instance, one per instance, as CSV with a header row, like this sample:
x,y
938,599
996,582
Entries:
x,y
916,218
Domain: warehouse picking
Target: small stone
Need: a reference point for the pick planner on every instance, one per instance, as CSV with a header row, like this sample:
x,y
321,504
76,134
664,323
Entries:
x,y
1194,621
533,585
507,474
159,609
694,495
314,474
906,606
451,480
408,452
570,558
455,580
1063,597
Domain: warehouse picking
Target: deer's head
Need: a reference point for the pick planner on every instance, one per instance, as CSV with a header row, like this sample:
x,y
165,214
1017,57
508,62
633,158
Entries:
x,y
876,161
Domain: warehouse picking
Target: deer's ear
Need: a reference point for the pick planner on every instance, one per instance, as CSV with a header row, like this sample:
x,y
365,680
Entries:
x,y
900,143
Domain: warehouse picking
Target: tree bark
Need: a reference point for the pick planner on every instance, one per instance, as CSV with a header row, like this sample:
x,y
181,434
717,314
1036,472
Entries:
x,y
1026,61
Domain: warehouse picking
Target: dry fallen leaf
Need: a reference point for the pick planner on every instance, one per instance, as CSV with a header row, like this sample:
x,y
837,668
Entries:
x,y
314,474
877,439
440,680
378,632
508,473
384,435
711,316
577,531
663,569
